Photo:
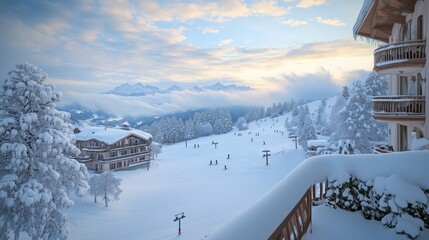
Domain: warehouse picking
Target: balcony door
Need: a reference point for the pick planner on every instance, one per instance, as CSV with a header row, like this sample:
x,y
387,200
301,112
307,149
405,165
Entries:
x,y
403,85
420,27
420,84
403,138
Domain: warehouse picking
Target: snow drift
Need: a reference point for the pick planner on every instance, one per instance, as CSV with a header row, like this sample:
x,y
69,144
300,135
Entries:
x,y
264,216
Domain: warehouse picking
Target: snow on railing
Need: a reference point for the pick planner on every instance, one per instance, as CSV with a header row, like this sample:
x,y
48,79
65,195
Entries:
x,y
400,52
264,217
404,105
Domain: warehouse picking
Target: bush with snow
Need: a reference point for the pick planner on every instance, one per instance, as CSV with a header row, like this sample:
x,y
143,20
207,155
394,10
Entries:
x,y
392,200
37,175
346,147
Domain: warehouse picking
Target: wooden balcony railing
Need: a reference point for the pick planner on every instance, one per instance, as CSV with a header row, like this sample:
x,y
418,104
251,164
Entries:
x,y
383,148
400,53
129,145
399,107
296,224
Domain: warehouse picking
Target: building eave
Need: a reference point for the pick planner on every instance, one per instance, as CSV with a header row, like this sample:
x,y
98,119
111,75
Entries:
x,y
376,18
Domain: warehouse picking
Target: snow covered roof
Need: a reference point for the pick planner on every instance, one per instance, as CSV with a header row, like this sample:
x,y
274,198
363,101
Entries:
x,y
109,135
361,17
374,23
318,143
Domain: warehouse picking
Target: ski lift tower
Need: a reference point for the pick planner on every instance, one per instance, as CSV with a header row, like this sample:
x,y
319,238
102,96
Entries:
x,y
179,217
266,155
295,139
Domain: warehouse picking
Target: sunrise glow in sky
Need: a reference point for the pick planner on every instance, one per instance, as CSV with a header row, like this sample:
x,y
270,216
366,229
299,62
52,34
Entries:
x,y
283,49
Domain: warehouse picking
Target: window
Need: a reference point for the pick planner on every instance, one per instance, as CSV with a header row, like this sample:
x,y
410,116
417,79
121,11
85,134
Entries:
x,y
403,85
420,84
403,138
406,32
124,152
420,27
112,165
119,164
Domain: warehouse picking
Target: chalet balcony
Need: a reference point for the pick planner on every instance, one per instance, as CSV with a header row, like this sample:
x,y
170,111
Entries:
x,y
401,108
126,156
402,57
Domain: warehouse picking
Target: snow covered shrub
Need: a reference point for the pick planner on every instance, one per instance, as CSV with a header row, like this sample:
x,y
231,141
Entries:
x,y
310,153
392,200
344,195
37,175
345,147
365,198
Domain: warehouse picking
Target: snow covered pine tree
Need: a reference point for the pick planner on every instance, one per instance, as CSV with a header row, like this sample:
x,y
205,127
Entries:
x,y
37,177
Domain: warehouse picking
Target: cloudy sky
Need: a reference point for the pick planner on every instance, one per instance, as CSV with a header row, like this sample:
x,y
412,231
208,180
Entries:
x,y
301,49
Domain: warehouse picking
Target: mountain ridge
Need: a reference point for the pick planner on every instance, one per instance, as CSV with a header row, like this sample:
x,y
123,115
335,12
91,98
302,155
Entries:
x,y
140,89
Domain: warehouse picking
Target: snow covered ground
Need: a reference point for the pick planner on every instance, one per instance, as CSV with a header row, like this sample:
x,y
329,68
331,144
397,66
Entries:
x,y
181,180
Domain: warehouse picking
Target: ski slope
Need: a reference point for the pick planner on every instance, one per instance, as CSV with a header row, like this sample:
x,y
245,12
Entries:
x,y
181,180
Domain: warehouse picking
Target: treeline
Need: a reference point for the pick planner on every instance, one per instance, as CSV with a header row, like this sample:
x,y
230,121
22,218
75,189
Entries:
x,y
214,121
173,130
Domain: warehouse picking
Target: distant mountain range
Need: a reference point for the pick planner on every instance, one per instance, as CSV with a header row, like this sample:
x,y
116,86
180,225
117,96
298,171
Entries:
x,y
81,114
140,89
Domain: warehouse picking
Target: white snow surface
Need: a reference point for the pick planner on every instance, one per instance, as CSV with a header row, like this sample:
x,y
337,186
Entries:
x,y
181,180
318,143
108,135
246,201
264,216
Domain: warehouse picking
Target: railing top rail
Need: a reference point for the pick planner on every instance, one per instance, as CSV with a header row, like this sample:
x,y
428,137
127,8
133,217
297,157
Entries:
x,y
106,159
400,44
414,97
